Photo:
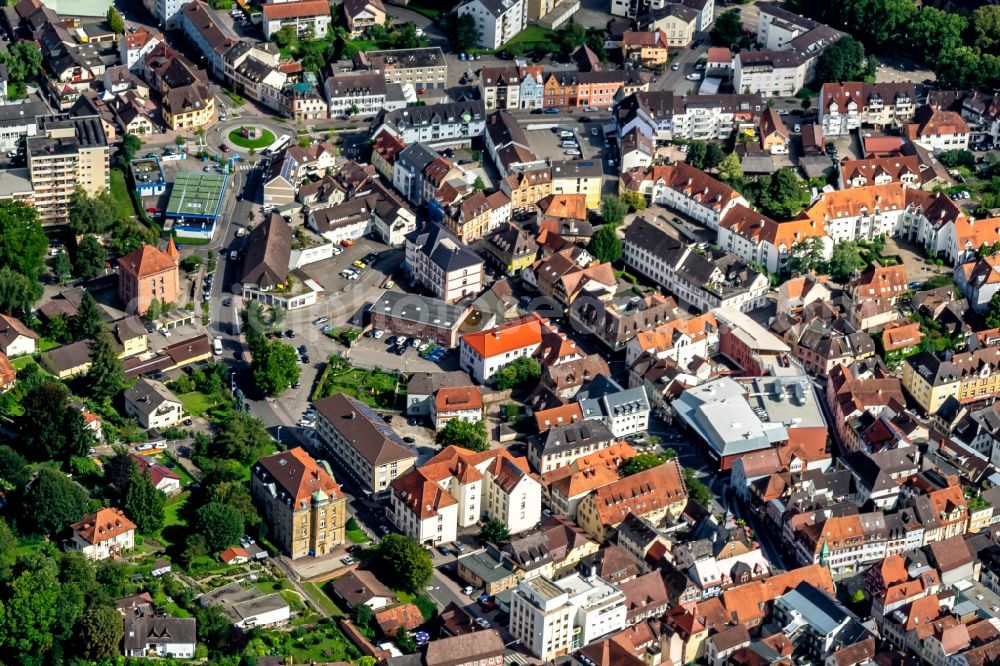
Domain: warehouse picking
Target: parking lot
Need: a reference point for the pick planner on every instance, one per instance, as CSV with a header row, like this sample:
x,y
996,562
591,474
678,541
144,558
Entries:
x,y
548,141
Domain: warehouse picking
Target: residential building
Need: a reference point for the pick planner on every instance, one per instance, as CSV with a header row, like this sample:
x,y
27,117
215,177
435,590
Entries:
x,y
579,177
874,295
633,9
443,265
361,443
656,494
568,485
479,648
363,14
208,34
422,387
681,340
774,136
107,533
422,67
675,20
938,130
458,488
704,281
358,587
165,637
648,48
754,237
511,248
188,107
554,618
310,18
561,445
979,280
850,394
412,315
164,479
685,189
303,506
968,376
663,116
147,274
16,339
19,121
483,353
881,170
844,107
500,87
68,153
589,88
617,321
498,21
624,411
464,403
153,404
266,268
447,123
731,418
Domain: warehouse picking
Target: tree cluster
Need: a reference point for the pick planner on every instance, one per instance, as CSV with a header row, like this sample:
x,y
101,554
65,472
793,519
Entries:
x,y
462,31
51,428
23,60
782,195
728,30
23,245
92,214
844,60
464,434
605,244
522,371
703,155
639,463
960,48
404,561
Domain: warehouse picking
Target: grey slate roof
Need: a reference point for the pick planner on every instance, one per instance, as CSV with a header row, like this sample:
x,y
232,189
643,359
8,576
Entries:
x,y
571,436
443,249
147,395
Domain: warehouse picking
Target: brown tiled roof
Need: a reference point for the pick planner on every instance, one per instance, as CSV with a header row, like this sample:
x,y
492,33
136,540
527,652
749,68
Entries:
x,y
277,11
103,525
472,648
147,261
359,586
299,475
374,441
556,416
392,619
449,399
640,493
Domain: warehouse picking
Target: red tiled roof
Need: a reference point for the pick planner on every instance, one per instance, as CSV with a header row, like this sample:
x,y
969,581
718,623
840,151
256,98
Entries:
x,y
103,525
284,10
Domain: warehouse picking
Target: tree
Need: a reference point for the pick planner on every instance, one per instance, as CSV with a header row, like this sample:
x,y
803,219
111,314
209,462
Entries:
x,y
62,267
106,377
521,371
44,421
115,21
639,463
8,549
14,472
240,436
405,642
100,631
131,144
605,244
214,628
23,60
613,210
221,525
781,195
32,613
90,257
23,244
697,490
728,29
79,437
362,615
18,293
405,562
713,156
807,255
87,321
191,263
92,214
464,434
730,169
844,60
274,367
992,316
143,502
985,28
846,260
479,184
285,37
636,201
494,531
958,158
237,495
53,502
462,31
696,154
572,36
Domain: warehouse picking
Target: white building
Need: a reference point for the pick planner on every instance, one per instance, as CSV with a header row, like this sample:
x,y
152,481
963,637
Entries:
x,y
662,116
498,21
844,107
553,618
310,18
165,11
483,353
681,340
687,190
101,535
153,404
444,265
16,339
624,411
247,606
166,637
435,124
457,488
754,237
354,93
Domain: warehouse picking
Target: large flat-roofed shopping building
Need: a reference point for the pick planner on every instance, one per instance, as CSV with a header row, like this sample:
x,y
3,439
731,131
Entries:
x,y
195,203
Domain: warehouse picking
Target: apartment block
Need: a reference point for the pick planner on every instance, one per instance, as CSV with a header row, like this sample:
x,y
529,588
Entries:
x,y
68,153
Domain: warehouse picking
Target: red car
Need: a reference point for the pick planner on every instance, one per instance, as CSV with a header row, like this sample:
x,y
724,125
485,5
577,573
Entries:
x,y
152,210
224,148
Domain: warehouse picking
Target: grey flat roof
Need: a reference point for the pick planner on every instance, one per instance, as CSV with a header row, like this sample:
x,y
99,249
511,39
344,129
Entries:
x,y
418,309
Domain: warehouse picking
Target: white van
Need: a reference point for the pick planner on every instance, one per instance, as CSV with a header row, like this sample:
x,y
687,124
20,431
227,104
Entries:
x,y
217,346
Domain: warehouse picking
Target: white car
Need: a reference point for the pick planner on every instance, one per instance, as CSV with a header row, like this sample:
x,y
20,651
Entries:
x,y
378,334
782,112
336,251
353,276
693,77
675,66
217,346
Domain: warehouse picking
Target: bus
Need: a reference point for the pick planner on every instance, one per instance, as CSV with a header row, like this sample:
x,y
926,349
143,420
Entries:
x,y
281,143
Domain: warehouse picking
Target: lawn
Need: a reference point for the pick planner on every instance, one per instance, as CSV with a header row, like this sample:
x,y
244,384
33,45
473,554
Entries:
x,y
44,344
186,479
426,605
265,139
323,644
119,190
357,536
319,598
372,387
532,35
175,528
196,403
237,100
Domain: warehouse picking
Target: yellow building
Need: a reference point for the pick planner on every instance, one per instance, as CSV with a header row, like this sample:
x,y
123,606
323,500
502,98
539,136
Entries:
x,y
188,107
677,22
526,187
968,377
653,494
579,177
304,508
472,218
511,248
649,48
69,153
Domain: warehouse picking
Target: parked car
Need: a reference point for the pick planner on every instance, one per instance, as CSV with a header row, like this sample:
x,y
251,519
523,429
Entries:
x,y
551,111
675,66
378,333
320,320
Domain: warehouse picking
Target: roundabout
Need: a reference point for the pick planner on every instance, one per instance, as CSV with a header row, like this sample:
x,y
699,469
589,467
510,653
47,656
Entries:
x,y
250,137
